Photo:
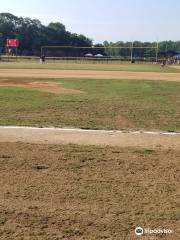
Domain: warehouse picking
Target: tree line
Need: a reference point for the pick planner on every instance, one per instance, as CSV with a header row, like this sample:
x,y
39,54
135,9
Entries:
x,y
32,34
143,49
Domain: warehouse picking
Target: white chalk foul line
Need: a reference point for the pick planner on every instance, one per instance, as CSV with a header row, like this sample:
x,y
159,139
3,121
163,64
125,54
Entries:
x,y
89,130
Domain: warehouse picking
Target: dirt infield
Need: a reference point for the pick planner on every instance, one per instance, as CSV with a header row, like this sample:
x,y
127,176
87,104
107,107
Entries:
x,y
51,87
53,192
46,73
89,137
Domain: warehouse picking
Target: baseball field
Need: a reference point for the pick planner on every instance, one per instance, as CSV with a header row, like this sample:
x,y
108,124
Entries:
x,y
88,151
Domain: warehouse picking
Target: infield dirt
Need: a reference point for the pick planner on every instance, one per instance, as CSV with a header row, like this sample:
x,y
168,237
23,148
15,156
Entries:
x,y
47,73
51,87
71,192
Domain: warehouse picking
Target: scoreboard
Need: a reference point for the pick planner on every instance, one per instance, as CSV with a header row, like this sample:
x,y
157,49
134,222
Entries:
x,y
12,43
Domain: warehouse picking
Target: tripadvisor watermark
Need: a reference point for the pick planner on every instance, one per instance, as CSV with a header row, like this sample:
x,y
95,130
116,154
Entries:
x,y
139,231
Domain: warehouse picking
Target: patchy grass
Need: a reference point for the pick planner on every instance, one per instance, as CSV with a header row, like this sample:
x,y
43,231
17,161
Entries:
x,y
85,65
107,104
86,192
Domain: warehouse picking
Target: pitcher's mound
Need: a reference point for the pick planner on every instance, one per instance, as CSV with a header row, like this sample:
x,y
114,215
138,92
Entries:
x,y
51,87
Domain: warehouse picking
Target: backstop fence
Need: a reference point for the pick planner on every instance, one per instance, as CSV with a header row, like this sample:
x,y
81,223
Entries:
x,y
103,53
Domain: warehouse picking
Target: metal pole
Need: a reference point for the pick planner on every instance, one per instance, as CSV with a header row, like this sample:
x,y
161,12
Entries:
x,y
132,51
8,52
16,53
41,51
157,50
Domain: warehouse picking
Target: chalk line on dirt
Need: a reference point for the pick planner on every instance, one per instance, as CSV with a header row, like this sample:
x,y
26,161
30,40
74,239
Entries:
x,y
89,130
145,139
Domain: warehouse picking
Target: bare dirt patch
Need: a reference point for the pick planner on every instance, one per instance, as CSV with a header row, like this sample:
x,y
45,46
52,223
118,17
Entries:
x,y
51,87
84,192
47,73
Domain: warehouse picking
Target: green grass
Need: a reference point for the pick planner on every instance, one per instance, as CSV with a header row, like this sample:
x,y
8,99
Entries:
x,y
73,65
104,104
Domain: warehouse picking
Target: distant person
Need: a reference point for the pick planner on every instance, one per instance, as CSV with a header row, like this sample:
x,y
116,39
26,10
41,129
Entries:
x,y
42,59
163,64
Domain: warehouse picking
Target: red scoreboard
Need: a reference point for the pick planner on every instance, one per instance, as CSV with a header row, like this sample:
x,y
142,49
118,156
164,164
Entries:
x,y
12,43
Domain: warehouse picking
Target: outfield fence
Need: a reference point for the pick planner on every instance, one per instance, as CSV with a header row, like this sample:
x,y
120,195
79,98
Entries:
x,y
88,60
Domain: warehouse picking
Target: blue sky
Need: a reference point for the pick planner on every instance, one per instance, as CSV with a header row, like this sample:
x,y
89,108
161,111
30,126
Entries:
x,y
112,20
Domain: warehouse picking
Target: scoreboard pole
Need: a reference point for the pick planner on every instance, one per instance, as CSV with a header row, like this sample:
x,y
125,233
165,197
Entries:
x,y
16,53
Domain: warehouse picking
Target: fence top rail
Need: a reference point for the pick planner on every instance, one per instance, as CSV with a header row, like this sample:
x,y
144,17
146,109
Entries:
x,y
104,47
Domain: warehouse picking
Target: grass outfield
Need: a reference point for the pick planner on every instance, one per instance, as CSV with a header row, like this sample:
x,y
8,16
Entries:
x,y
70,65
77,192
107,104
